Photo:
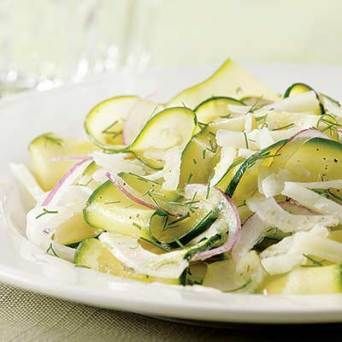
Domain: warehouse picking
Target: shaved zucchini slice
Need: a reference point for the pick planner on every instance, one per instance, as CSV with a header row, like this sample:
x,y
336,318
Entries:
x,y
228,80
104,122
297,88
110,210
178,231
94,254
314,160
214,108
255,102
86,178
49,157
300,88
307,280
245,181
148,189
169,128
199,159
74,230
229,174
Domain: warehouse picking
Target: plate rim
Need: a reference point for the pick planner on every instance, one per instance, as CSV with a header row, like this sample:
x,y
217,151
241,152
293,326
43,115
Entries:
x,y
84,295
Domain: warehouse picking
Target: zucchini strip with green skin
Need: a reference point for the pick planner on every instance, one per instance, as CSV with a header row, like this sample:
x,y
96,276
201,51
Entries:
x,y
214,108
228,80
167,129
104,122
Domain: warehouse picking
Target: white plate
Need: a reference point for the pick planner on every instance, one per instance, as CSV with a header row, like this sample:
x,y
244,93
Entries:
x,y
62,110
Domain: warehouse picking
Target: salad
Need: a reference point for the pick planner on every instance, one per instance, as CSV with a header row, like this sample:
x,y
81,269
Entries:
x,y
228,185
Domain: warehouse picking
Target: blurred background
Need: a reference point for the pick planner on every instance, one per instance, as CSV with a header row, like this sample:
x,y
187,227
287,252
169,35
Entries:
x,y
45,43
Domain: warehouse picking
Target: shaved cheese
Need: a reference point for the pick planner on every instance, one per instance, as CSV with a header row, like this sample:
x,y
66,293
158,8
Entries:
x,y
171,170
332,184
274,215
239,110
128,250
252,232
228,155
119,162
137,117
312,200
234,139
305,102
289,252
249,120
232,124
27,180
245,152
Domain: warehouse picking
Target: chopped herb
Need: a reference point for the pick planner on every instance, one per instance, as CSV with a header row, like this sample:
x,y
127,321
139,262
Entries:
x,y
328,194
208,191
242,286
213,145
137,225
176,221
161,212
283,127
145,180
166,221
261,121
107,129
50,137
84,184
154,242
189,178
45,211
314,261
202,124
246,139
179,243
225,116
238,90
194,161
111,202
204,153
50,249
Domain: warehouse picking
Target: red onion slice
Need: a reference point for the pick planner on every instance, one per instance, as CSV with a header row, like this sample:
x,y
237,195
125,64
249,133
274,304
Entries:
x,y
170,207
307,134
66,180
129,191
231,217
67,158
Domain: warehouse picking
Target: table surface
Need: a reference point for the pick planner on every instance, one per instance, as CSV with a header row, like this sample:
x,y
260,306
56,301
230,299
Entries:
x,y
25,316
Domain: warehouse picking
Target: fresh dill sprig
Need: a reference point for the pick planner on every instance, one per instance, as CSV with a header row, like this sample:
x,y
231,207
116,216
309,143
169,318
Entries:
x,y
51,249
246,140
283,127
261,121
315,262
328,194
107,130
178,220
179,243
137,225
241,287
46,211
52,138
111,202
